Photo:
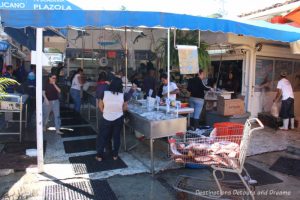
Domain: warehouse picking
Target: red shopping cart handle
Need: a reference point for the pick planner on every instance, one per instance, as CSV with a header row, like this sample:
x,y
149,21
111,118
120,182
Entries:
x,y
171,140
180,134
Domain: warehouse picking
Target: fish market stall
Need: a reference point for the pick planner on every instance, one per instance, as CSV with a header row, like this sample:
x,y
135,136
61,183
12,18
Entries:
x,y
154,124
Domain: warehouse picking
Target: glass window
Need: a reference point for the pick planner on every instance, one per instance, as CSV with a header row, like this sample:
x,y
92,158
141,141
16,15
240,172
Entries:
x,y
282,65
263,72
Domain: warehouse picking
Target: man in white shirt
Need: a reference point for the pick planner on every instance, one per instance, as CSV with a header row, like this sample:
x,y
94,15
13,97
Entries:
x,y
285,90
173,88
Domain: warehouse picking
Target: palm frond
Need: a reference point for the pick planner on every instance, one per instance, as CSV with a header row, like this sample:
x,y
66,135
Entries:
x,y
4,83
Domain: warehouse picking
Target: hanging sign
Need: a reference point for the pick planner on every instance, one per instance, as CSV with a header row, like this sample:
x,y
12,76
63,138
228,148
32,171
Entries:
x,y
4,45
38,5
188,59
111,54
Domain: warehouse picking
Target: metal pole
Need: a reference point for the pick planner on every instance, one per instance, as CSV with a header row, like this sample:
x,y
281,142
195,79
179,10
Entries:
x,y
126,57
39,116
82,50
168,63
151,156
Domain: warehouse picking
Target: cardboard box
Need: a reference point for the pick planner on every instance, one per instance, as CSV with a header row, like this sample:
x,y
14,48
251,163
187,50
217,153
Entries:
x,y
230,107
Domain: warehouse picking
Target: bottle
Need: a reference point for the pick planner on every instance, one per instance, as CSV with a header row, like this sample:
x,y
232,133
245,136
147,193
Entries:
x,y
168,105
157,102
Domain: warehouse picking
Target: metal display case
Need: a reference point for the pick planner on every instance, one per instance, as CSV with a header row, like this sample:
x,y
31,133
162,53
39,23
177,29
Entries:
x,y
154,124
14,103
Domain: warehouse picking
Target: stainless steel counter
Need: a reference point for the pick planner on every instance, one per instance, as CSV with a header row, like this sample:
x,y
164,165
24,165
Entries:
x,y
154,124
15,103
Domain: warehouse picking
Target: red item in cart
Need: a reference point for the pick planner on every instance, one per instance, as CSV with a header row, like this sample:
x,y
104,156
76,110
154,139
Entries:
x,y
228,128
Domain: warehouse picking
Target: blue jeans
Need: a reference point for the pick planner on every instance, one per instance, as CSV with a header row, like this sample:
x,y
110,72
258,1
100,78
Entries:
x,y
197,104
108,130
75,94
54,107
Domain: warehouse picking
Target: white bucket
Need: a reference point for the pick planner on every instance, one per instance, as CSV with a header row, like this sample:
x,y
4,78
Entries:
x,y
31,152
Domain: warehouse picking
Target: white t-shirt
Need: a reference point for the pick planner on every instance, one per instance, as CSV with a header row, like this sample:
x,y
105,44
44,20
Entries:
x,y
173,87
75,82
286,88
113,105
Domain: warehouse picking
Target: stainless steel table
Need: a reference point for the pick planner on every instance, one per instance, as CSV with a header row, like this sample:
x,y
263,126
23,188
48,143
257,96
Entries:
x,y
154,125
14,103
181,111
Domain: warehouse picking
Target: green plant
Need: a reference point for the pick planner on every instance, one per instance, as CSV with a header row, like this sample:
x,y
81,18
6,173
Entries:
x,y
183,38
4,83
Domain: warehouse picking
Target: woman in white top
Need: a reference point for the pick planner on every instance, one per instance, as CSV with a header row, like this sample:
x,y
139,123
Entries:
x,y
112,105
77,82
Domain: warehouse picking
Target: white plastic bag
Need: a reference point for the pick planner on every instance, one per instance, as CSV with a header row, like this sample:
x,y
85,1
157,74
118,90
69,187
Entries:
x,y
275,109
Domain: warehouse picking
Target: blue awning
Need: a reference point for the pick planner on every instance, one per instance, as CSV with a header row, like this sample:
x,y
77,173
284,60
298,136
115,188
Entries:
x,y
100,18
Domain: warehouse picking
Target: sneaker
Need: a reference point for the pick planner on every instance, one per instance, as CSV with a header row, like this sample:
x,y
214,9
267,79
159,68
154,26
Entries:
x,y
59,132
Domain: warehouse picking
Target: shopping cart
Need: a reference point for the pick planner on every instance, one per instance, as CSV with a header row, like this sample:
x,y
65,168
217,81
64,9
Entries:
x,y
221,153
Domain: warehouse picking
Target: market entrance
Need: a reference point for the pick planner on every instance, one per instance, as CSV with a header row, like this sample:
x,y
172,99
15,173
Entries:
x,y
228,75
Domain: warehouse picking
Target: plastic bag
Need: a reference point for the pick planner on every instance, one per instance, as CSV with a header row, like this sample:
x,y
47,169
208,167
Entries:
x,y
275,109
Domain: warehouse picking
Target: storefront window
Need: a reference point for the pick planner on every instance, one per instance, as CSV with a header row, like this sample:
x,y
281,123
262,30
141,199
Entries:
x,y
268,70
282,65
264,73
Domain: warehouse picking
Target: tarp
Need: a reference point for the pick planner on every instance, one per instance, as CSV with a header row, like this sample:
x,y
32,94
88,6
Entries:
x,y
26,36
294,15
64,14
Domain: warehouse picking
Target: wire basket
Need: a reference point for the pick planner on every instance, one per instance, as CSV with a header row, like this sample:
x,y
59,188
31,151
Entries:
x,y
226,153
221,151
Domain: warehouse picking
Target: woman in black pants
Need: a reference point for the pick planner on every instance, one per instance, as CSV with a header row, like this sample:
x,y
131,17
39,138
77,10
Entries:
x,y
112,105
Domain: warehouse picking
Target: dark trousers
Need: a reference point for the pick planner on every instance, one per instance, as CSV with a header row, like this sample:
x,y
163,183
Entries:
x,y
108,130
287,109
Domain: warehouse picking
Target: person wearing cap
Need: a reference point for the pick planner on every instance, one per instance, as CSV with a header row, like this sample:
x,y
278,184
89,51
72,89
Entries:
x,y
51,102
284,89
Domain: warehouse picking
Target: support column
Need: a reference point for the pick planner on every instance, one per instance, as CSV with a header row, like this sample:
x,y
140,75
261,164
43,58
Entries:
x,y
252,66
39,100
168,63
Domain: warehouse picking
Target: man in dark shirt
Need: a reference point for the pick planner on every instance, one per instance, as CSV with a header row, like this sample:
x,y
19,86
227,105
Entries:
x,y
20,73
51,102
196,101
150,83
231,84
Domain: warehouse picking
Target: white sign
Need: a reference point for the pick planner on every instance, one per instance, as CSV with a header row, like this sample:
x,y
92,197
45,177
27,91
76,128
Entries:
x,y
45,60
188,59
